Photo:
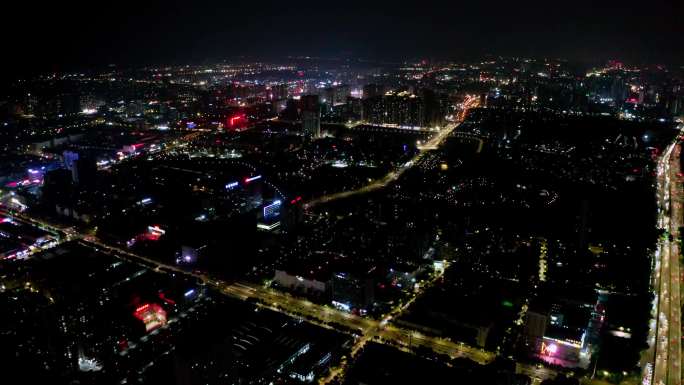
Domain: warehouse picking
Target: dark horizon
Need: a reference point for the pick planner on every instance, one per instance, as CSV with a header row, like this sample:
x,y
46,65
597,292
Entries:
x,y
66,37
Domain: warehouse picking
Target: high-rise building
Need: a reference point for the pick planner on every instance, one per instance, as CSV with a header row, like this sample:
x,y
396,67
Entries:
x,y
83,168
311,116
279,92
69,103
135,108
393,108
373,90
405,109
535,328
337,95
31,102
430,111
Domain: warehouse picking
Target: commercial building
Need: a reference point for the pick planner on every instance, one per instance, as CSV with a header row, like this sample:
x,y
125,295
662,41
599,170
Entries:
x,y
352,292
299,282
269,217
560,331
83,167
152,315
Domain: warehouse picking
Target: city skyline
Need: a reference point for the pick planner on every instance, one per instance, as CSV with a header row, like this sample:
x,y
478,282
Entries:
x,y
375,193
76,36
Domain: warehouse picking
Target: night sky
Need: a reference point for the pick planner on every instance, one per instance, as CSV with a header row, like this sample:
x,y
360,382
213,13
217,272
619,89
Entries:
x,y
61,36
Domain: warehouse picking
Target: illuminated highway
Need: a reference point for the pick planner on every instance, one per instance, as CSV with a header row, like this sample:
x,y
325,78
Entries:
x,y
164,149
364,329
664,356
433,143
537,373
299,307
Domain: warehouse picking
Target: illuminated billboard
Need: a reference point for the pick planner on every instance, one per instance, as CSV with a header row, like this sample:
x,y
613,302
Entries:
x,y
561,351
272,210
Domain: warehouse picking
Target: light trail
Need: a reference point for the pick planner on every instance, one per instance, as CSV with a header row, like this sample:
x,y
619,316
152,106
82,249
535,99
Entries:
x,y
299,307
663,363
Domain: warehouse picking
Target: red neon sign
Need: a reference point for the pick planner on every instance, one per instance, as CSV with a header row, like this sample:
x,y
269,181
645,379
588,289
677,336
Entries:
x,y
236,120
163,297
